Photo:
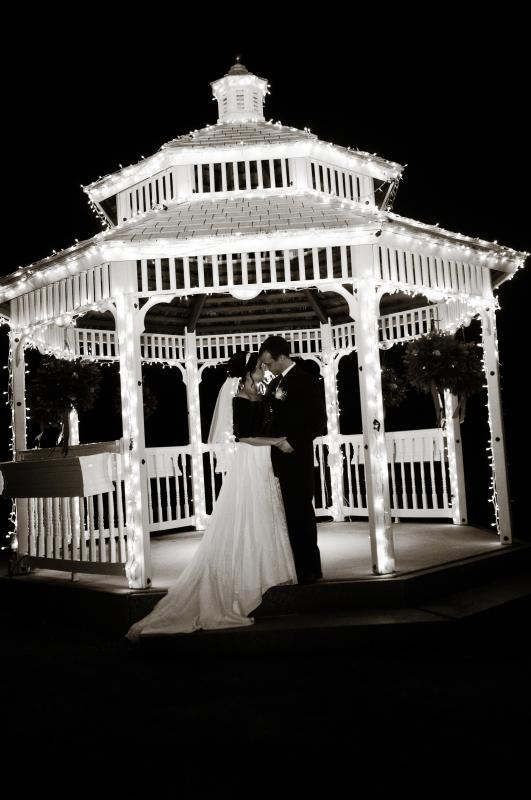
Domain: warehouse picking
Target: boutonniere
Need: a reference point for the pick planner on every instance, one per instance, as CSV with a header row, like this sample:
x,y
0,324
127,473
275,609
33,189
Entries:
x,y
280,394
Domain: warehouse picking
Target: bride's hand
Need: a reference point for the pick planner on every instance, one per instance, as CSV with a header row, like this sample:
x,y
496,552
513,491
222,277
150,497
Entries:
x,y
285,446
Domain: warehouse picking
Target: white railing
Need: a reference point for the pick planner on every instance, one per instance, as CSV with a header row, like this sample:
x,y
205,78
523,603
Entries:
x,y
408,268
89,534
406,325
170,492
419,484
162,347
95,344
79,533
215,348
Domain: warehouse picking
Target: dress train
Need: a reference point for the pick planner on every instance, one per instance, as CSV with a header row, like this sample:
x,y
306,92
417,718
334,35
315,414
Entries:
x,y
245,550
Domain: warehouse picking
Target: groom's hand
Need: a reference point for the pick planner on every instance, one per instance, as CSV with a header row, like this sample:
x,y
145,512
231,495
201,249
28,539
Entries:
x,y
285,447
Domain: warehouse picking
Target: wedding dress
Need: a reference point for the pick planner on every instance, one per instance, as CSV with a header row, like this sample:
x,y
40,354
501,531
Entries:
x,y
244,551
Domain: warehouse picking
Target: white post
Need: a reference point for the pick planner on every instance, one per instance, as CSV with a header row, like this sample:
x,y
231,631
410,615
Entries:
x,y
17,367
194,427
500,486
452,433
335,460
299,169
138,566
375,451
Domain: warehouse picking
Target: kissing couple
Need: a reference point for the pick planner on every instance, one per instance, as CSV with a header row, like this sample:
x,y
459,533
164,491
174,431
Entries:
x,y
262,531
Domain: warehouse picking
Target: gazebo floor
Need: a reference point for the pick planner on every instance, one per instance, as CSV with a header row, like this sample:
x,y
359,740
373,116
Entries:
x,y
346,551
444,573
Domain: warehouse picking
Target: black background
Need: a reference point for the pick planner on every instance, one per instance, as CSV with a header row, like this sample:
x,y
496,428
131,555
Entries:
x,y
444,97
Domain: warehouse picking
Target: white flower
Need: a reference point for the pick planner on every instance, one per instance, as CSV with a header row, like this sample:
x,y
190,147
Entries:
x,y
280,394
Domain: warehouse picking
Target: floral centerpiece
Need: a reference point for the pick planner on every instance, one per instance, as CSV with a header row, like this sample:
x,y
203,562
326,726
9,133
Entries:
x,y
438,362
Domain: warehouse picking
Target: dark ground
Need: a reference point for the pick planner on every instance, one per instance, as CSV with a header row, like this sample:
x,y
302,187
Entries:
x,y
414,714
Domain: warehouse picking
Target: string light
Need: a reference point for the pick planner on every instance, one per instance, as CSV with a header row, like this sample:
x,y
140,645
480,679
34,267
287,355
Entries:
x,y
194,424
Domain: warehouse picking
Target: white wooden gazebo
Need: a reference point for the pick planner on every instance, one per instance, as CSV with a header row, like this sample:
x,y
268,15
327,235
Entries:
x,y
224,236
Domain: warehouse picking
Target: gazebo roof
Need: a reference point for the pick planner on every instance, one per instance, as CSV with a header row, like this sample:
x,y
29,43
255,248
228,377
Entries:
x,y
244,214
234,134
250,215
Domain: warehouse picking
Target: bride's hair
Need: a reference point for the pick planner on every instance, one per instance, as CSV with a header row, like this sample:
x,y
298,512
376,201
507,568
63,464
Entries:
x,y
239,365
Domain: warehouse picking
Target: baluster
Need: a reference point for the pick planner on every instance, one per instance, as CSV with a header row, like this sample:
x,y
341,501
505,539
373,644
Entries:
x,y
440,447
83,529
74,529
414,487
112,529
424,504
92,533
394,505
120,509
158,486
167,483
49,527
66,528
185,467
177,470
101,530
403,478
432,475
32,534
348,462
150,459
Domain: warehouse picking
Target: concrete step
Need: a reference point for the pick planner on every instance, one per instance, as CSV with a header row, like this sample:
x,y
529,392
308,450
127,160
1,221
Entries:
x,y
334,614
454,617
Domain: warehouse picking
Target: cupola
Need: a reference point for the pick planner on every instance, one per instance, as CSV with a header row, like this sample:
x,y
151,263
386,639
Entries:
x,y
240,95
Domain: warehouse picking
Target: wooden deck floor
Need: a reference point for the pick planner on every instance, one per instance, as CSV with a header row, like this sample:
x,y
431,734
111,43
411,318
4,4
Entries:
x,y
345,551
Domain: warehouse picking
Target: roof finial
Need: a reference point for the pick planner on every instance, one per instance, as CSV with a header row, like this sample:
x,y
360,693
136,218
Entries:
x,y
238,57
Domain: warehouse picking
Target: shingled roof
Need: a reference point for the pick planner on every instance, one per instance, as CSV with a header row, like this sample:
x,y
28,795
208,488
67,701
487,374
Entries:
x,y
249,215
234,134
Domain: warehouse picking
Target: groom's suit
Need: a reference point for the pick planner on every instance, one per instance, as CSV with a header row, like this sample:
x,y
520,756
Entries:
x,y
298,412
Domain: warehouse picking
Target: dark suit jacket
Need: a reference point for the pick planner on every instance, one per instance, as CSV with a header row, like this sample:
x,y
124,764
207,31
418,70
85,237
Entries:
x,y
301,414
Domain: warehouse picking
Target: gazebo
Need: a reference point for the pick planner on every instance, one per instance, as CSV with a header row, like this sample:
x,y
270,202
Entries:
x,y
227,234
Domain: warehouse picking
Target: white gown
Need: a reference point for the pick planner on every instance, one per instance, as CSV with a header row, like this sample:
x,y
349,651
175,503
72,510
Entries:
x,y
244,551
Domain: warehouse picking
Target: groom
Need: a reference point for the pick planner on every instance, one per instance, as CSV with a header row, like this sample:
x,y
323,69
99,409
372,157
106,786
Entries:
x,y
297,411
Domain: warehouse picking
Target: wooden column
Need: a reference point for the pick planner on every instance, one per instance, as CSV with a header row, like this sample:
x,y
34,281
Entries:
x,y
17,367
335,459
194,428
500,483
375,452
454,449
133,448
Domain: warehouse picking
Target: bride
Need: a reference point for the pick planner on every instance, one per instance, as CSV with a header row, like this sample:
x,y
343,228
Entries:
x,y
245,549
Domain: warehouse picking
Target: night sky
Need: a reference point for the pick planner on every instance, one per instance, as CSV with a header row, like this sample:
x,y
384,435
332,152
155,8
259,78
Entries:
x,y
444,98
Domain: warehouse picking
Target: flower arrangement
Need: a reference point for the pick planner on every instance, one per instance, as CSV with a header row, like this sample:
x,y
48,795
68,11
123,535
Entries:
x,y
438,362
394,389
57,387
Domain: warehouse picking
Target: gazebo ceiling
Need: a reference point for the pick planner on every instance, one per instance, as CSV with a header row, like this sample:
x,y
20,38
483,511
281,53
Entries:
x,y
270,310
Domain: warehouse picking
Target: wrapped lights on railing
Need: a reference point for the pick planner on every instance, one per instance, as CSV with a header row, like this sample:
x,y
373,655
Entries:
x,y
194,418
452,461
385,560
131,439
488,320
12,535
